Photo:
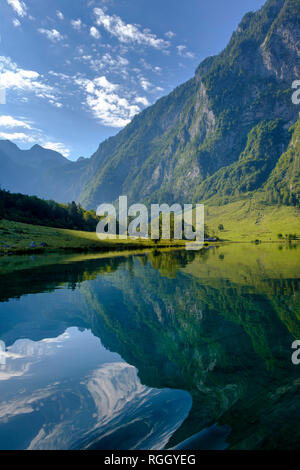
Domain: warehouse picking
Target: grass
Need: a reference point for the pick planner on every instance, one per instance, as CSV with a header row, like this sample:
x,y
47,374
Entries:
x,y
243,221
16,237
246,221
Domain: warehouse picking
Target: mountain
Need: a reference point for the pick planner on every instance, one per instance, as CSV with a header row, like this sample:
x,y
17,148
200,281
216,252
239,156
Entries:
x,y
226,134
39,171
222,132
285,178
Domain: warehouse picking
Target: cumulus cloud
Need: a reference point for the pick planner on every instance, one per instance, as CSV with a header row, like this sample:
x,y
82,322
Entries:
x,y
16,22
142,100
57,147
182,51
117,64
19,7
52,34
30,139
94,32
15,78
16,136
128,33
33,135
10,122
60,15
145,84
76,24
147,66
170,34
104,101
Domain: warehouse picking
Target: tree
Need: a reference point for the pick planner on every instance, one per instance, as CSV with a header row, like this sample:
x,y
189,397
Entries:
x,y
31,209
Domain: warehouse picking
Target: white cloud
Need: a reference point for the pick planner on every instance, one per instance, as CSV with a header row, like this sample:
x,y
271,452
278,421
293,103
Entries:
x,y
19,7
103,99
52,34
16,22
128,33
60,75
170,34
181,50
57,147
76,24
16,136
112,64
145,84
14,78
151,67
94,32
33,135
10,122
142,100
104,83
60,15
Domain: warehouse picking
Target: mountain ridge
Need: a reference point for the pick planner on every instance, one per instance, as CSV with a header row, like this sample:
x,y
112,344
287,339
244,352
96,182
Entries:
x,y
217,137
204,124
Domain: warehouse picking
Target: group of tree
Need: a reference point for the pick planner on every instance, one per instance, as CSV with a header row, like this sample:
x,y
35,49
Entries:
x,y
288,236
282,196
33,210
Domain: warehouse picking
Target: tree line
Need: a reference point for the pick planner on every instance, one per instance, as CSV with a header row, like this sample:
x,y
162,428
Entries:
x,y
33,210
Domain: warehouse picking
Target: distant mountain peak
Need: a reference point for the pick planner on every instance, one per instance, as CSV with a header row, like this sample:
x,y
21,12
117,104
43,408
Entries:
x,y
37,147
219,135
7,144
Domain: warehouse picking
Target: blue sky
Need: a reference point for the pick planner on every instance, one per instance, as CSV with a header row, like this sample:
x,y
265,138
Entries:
x,y
76,72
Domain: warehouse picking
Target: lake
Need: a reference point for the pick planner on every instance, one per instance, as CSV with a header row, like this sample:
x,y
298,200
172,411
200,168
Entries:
x,y
164,349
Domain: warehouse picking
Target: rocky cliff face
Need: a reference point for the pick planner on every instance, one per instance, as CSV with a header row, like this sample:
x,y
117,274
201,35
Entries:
x,y
281,47
220,135
174,150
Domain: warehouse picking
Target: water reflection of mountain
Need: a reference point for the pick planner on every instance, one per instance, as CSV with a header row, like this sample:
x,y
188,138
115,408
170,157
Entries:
x,y
218,324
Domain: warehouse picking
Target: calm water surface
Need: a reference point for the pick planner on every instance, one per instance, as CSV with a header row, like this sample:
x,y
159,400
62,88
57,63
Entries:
x,y
187,350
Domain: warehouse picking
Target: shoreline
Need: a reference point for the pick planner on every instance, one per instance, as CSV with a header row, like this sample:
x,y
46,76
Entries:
x,y
132,248
19,239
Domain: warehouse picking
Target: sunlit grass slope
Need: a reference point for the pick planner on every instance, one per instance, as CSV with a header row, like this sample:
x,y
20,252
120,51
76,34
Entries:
x,y
249,221
16,237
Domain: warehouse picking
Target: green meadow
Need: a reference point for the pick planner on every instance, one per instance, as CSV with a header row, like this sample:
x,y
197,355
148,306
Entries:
x,y
241,221
16,238
247,220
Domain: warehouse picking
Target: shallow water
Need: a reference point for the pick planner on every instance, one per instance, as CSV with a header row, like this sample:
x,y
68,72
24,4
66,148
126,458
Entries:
x,y
187,350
